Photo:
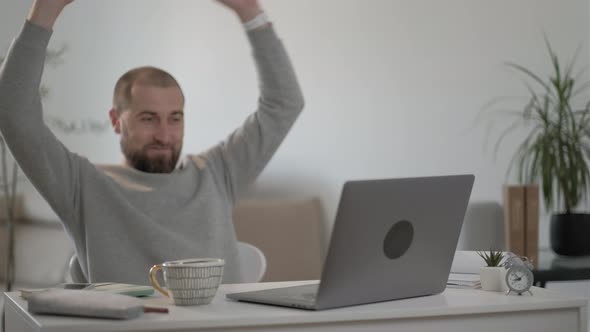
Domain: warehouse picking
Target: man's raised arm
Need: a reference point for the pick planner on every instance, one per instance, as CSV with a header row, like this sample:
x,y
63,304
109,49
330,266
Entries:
x,y
243,155
45,12
51,168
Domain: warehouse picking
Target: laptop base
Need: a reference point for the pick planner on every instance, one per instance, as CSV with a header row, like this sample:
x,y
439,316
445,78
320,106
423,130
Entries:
x,y
300,297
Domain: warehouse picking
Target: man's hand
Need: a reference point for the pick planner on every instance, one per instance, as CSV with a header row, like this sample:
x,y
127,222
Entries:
x,y
245,9
45,12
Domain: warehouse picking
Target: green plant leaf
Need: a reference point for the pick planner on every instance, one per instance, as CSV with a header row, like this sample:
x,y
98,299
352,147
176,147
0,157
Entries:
x,y
529,73
492,257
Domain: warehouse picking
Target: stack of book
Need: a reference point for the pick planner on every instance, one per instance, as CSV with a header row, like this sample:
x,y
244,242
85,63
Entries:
x,y
465,270
464,280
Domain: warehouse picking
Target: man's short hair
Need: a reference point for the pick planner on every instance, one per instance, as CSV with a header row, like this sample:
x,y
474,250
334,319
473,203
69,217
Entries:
x,y
147,75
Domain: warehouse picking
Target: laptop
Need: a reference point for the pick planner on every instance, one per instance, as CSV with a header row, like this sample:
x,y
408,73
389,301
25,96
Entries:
x,y
392,239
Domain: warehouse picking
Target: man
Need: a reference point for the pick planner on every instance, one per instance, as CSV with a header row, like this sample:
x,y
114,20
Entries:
x,y
155,207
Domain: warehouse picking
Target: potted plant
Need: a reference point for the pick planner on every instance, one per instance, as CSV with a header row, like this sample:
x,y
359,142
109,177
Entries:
x,y
492,275
555,152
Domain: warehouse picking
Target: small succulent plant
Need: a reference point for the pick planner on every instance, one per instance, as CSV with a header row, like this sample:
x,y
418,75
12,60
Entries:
x,y
492,257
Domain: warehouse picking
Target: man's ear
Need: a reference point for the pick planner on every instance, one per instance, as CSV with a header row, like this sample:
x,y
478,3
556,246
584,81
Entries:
x,y
115,120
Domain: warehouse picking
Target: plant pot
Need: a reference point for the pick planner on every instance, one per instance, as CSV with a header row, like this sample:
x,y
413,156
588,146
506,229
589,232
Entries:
x,y
493,278
570,234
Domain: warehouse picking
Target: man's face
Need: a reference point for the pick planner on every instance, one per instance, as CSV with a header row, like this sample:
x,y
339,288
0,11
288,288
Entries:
x,y
152,128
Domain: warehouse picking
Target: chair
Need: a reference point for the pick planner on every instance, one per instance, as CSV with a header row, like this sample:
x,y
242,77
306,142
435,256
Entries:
x,y
76,271
252,261
483,227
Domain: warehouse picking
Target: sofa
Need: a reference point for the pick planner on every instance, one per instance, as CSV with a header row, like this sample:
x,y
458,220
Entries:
x,y
41,253
289,232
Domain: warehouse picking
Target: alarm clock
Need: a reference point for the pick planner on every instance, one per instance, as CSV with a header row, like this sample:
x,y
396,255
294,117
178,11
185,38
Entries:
x,y
519,279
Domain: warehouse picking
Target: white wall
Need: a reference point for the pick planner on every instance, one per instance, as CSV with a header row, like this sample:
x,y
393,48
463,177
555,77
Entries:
x,y
393,88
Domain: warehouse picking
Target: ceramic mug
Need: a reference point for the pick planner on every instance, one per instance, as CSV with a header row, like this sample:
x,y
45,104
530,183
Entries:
x,y
189,281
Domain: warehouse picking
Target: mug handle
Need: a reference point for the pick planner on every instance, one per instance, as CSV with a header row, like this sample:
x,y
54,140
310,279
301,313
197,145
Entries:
x,y
155,283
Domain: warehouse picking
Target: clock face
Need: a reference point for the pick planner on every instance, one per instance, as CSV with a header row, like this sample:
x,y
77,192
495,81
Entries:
x,y
519,279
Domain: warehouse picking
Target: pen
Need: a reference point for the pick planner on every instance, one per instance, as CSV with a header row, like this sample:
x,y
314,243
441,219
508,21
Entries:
x,y
160,310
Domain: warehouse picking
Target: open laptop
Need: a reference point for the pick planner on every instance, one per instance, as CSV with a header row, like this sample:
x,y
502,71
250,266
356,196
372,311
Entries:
x,y
392,239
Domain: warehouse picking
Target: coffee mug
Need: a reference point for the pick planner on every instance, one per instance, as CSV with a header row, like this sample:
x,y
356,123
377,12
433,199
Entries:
x,y
189,281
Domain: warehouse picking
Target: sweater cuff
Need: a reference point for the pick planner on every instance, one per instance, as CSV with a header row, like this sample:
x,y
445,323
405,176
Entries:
x,y
259,38
34,35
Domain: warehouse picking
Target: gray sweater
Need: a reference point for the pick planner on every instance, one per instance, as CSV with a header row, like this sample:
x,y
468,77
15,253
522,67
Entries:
x,y
121,220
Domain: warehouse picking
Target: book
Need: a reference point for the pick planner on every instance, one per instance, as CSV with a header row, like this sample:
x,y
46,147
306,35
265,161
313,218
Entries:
x,y
532,223
88,303
464,280
107,287
514,218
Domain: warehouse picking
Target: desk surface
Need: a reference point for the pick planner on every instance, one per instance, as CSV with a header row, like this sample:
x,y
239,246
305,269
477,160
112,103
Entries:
x,y
223,313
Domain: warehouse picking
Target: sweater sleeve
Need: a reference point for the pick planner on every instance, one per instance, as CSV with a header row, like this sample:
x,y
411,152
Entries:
x,y
244,154
51,168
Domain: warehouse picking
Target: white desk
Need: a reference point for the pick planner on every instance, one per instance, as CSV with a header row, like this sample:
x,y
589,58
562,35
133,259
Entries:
x,y
453,310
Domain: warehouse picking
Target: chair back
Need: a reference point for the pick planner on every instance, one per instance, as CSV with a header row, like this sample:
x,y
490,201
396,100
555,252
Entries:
x,y
252,262
76,271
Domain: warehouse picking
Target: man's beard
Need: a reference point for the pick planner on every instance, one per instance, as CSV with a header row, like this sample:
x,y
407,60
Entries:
x,y
140,160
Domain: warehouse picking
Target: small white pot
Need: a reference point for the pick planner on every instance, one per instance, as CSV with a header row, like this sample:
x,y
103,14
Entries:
x,y
493,278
